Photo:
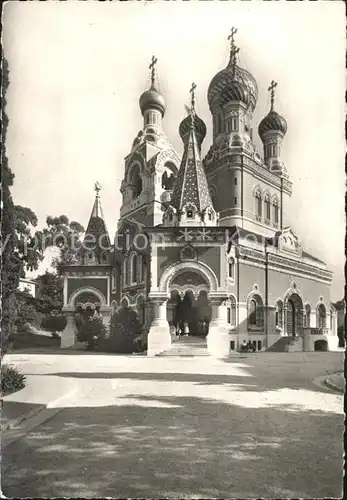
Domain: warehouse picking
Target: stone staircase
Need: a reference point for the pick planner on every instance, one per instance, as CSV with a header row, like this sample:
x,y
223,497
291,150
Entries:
x,y
287,344
186,346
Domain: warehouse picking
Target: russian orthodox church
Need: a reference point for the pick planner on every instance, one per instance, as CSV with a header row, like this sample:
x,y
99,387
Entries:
x,y
204,246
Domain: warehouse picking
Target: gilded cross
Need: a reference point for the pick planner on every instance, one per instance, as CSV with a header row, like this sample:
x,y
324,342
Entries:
x,y
152,67
192,94
231,38
271,89
97,188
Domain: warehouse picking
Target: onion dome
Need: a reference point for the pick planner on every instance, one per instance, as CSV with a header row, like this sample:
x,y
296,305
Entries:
x,y
272,121
227,79
235,92
192,120
199,126
152,99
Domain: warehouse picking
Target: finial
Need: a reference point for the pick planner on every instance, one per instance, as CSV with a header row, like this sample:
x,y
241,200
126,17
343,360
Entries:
x,y
233,49
271,89
97,188
231,38
152,68
192,103
192,98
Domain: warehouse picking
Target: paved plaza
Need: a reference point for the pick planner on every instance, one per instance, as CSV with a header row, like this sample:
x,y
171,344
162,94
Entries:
x,y
131,426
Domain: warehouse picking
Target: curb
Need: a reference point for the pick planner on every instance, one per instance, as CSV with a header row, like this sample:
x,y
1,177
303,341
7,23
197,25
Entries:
x,y
16,421
333,386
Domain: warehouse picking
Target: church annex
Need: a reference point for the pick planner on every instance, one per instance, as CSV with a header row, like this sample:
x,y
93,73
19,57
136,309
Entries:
x,y
204,244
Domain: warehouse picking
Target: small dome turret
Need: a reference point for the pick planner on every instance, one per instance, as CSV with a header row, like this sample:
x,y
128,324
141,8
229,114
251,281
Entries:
x,y
273,121
152,99
186,123
199,125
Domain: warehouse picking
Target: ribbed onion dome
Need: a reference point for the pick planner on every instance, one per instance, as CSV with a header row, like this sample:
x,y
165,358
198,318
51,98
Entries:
x,y
274,122
225,80
152,99
236,91
199,126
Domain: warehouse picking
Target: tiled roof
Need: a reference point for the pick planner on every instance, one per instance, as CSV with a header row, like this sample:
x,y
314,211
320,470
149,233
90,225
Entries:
x,y
191,183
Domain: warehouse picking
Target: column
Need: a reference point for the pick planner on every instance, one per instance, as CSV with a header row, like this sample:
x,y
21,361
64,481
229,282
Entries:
x,y
159,337
106,317
218,343
68,335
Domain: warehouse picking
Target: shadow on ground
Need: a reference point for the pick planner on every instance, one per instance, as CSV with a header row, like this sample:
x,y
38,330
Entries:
x,y
253,383
178,447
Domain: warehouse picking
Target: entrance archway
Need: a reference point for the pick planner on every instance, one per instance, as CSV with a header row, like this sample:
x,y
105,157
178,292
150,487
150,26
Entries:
x,y
189,314
188,309
294,315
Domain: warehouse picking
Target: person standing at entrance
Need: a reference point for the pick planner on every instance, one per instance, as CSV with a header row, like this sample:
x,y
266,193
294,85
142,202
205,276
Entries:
x,y
186,328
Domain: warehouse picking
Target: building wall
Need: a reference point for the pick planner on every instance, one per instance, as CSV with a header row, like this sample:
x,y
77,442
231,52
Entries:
x,y
74,284
209,255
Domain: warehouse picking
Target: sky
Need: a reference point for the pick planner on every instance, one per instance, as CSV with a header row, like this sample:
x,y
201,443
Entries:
x,y
77,70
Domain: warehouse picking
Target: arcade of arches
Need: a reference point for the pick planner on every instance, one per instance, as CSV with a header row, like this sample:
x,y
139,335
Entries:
x,y
188,309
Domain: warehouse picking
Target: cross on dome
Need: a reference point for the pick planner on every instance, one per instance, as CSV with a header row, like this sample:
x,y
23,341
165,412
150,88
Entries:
x,y
271,89
192,93
97,188
231,38
152,68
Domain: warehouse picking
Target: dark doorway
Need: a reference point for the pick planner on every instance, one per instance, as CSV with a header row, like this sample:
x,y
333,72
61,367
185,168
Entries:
x,y
192,313
321,345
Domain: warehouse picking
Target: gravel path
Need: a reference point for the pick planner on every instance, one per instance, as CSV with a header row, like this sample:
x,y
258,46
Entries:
x,y
197,428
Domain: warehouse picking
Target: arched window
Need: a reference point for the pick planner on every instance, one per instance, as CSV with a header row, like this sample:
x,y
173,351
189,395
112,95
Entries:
x,y
275,211
279,314
231,268
134,268
89,257
104,257
219,123
267,208
125,272
232,311
114,279
141,268
234,124
321,313
252,312
255,312
258,203
135,181
307,317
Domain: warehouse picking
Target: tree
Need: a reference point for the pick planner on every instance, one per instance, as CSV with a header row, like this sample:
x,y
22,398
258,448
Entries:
x,y
124,327
90,326
66,236
54,323
18,249
49,292
26,311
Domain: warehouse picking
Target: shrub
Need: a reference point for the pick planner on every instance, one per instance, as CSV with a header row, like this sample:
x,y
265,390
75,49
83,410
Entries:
x,y
11,379
124,327
89,327
54,323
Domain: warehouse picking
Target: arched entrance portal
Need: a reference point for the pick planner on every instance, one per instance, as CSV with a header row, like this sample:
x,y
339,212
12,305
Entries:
x,y
294,319
188,309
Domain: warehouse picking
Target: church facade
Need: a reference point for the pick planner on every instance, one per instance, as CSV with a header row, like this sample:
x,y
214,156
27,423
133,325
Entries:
x,y
203,244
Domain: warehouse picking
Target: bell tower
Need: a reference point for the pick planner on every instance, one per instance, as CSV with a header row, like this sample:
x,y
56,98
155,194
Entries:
x,y
152,164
